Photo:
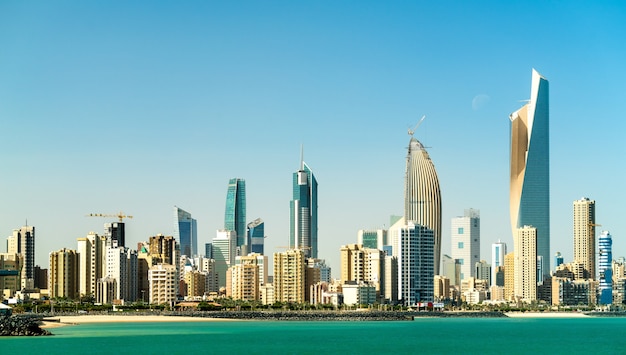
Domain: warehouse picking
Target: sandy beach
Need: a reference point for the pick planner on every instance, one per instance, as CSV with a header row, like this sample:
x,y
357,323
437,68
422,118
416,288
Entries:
x,y
89,319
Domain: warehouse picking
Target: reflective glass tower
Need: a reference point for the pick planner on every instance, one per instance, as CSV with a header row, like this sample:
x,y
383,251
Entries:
x,y
422,195
530,167
186,232
235,218
303,212
256,235
605,268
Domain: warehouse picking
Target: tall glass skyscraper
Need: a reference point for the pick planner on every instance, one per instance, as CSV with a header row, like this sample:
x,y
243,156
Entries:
x,y
186,232
530,167
422,195
235,218
303,212
256,236
605,268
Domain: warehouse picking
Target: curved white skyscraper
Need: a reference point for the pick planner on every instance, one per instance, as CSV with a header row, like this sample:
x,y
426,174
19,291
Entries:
x,y
422,196
530,168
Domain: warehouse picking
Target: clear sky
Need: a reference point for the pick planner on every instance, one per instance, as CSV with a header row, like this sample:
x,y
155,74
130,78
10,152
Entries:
x,y
139,106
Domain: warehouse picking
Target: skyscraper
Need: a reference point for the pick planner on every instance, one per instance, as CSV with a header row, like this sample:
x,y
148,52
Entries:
x,y
303,212
186,232
91,263
415,264
585,235
235,216
256,236
422,196
530,167
23,242
605,268
498,251
289,276
224,250
115,233
466,242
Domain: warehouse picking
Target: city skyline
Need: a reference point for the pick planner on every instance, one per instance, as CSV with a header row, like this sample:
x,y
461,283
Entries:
x,y
344,80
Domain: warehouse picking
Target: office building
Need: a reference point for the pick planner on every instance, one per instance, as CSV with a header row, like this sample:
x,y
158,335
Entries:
x,y
530,167
115,233
224,252
525,244
498,251
483,271
415,264
605,268
451,268
303,212
235,216
422,196
208,250
121,268
372,238
256,236
64,274
289,276
466,241
558,259
585,235
22,242
185,232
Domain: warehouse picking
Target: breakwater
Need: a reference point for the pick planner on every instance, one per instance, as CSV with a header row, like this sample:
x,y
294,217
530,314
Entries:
x,y
334,315
19,325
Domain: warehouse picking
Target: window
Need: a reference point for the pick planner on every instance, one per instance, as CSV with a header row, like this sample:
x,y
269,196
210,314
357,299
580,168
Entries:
x,y
461,262
460,245
460,230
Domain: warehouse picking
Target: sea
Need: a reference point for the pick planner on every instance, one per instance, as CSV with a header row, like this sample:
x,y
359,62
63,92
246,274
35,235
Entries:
x,y
420,336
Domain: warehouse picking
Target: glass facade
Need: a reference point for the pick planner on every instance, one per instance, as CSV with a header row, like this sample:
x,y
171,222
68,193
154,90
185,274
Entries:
x,y
530,167
415,264
256,236
605,268
186,232
303,212
235,216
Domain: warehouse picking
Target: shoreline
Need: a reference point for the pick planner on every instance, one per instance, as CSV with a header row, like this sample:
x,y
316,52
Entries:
x,y
64,320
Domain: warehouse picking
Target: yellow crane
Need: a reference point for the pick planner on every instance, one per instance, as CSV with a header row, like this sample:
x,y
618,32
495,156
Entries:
x,y
120,215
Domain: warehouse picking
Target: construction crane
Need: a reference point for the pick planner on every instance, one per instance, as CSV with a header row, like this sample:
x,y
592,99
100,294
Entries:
x,y
411,131
119,215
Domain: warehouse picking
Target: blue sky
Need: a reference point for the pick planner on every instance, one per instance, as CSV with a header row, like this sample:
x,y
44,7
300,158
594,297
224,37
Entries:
x,y
136,106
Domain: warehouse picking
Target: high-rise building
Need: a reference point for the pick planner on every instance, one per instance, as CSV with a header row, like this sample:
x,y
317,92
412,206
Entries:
x,y
509,276
498,251
121,267
605,268
244,280
359,264
422,196
289,276
64,274
483,271
164,249
530,167
185,232
256,236
415,264
23,242
585,235
372,238
91,263
525,244
451,268
303,212
235,216
466,241
10,277
208,250
115,233
558,259
224,252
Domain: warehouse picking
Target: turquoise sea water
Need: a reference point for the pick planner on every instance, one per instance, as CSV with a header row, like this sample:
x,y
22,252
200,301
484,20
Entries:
x,y
423,336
